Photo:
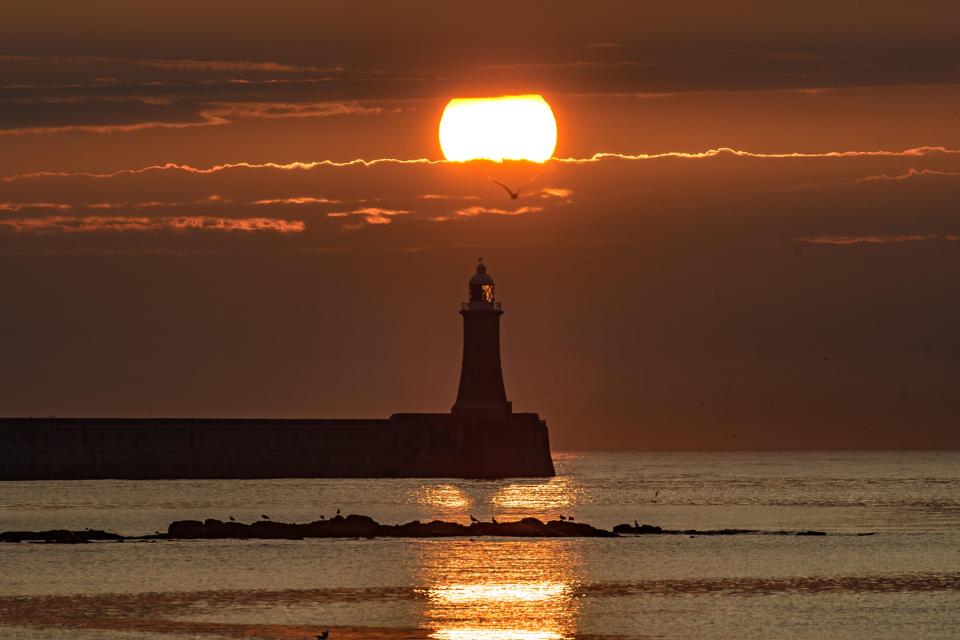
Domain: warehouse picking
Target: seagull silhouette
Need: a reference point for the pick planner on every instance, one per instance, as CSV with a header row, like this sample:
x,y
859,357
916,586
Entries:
x,y
324,635
513,194
232,519
472,519
264,516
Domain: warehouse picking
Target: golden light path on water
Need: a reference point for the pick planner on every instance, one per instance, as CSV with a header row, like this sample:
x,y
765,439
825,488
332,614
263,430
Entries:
x,y
539,497
499,589
542,499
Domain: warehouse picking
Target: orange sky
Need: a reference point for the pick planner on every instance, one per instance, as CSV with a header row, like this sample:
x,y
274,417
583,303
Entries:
x,y
182,231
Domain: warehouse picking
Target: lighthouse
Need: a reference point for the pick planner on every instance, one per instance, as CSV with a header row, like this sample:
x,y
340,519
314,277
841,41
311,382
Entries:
x,y
481,377
481,437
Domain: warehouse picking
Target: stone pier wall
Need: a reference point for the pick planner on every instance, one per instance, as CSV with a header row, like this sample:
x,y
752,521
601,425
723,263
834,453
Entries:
x,y
403,446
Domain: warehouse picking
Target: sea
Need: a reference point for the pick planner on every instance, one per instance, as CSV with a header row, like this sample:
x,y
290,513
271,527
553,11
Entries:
x,y
900,581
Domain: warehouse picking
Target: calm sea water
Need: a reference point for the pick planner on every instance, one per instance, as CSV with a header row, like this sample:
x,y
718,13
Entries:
x,y
902,582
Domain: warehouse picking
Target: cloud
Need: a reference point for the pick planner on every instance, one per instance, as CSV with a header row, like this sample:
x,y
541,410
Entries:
x,y
229,112
126,204
911,173
740,153
441,196
227,65
295,200
371,215
170,63
19,206
595,158
473,212
157,113
173,166
95,224
554,192
877,239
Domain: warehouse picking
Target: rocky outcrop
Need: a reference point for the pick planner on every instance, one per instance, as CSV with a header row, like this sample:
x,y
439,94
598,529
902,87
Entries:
x,y
648,529
356,526
641,529
59,536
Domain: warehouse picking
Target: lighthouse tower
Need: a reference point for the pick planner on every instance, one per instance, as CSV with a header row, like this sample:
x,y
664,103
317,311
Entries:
x,y
481,378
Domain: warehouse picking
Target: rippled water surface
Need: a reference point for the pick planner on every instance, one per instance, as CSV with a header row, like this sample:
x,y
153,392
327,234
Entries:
x,y
903,581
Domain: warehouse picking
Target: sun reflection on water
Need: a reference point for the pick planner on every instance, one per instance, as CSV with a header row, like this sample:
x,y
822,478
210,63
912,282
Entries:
x,y
500,590
442,496
537,496
465,633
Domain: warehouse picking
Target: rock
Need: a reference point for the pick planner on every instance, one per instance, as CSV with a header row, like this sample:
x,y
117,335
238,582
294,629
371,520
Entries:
x,y
578,529
358,526
58,536
643,529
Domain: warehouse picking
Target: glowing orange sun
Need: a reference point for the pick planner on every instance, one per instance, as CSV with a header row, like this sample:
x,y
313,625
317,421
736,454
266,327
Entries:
x,y
501,128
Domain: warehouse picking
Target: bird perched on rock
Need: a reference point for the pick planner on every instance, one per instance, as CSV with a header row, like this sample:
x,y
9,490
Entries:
x,y
322,517
493,520
232,519
324,635
264,516
563,518
570,518
472,519
338,511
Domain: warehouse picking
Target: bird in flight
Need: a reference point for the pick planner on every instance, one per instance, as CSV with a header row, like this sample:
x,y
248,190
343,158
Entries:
x,y
513,194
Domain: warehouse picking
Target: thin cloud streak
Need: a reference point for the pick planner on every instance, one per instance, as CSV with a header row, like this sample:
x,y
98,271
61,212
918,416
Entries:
x,y
178,63
217,114
595,158
173,166
712,153
473,212
876,239
100,224
911,173
296,200
19,206
371,215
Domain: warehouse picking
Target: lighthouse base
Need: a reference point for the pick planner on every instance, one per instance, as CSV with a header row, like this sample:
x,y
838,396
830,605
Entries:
x,y
407,445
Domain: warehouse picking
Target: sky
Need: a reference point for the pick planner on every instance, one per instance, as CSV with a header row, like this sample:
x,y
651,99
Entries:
x,y
748,236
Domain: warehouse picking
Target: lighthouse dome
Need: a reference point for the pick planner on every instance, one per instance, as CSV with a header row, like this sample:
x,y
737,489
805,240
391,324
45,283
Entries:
x,y
481,277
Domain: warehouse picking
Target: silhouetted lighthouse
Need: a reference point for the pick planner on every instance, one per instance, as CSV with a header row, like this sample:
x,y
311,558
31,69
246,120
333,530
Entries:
x,y
481,378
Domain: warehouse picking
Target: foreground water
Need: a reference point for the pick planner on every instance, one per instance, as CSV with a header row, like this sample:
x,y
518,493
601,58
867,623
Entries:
x,y
904,581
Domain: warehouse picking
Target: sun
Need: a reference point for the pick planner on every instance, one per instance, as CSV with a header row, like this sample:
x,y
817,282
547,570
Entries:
x,y
500,128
